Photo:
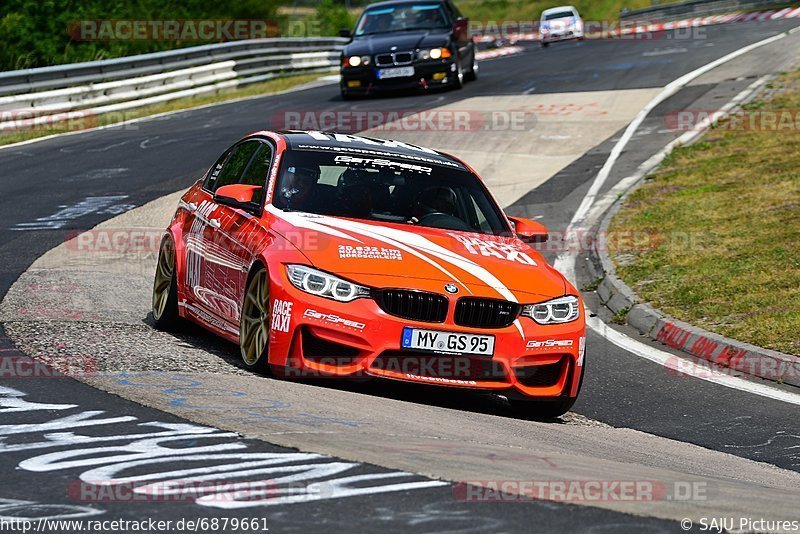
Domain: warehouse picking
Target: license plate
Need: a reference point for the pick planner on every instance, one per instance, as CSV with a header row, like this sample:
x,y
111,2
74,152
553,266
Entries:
x,y
447,342
399,72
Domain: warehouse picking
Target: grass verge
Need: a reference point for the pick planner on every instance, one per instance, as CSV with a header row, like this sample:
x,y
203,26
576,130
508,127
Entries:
x,y
264,88
716,230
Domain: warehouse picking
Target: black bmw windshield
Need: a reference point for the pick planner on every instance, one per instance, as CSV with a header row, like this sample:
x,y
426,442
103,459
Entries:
x,y
402,17
389,189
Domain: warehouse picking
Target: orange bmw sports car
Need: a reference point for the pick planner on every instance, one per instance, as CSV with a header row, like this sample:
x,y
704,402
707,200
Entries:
x,y
337,255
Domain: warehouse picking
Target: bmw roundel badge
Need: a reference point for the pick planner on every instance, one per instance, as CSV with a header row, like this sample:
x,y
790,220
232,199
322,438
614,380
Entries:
x,y
451,288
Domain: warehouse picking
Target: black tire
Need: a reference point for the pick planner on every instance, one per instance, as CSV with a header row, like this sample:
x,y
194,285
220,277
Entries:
x,y
458,79
255,321
545,44
547,409
472,74
541,409
165,288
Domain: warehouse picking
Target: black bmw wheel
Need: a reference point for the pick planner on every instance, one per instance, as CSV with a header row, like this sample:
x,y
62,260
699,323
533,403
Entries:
x,y
458,78
472,74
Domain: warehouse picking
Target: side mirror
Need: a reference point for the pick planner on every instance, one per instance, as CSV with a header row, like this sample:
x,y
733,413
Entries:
x,y
461,29
238,196
528,230
345,32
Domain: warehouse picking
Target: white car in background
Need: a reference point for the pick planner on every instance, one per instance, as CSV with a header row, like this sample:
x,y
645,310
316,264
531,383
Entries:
x,y
560,24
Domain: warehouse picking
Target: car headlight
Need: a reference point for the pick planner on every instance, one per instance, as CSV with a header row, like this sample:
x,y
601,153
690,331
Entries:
x,y
324,285
435,53
556,311
355,61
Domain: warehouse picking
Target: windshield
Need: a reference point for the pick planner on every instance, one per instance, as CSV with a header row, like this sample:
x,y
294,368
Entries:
x,y
559,15
403,17
386,188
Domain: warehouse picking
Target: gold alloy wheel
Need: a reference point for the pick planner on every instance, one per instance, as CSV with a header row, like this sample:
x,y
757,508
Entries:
x,y
255,323
165,271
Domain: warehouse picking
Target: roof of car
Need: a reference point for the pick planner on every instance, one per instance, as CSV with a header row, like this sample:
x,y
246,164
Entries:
x,y
398,2
559,8
356,144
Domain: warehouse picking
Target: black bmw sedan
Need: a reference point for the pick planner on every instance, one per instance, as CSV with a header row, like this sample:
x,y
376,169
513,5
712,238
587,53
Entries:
x,y
408,44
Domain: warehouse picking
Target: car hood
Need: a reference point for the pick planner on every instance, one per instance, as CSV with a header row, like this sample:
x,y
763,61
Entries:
x,y
404,41
392,255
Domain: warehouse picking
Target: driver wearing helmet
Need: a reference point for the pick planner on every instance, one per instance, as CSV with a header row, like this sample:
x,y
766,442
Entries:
x,y
298,187
436,199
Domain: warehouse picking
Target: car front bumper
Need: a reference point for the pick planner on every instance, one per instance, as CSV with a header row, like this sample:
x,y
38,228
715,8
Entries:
x,y
359,339
364,80
561,35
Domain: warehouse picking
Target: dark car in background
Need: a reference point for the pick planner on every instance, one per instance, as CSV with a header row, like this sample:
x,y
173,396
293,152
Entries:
x,y
408,44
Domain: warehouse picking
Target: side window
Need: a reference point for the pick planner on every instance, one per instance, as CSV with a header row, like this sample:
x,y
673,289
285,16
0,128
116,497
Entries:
x,y
213,172
233,166
258,170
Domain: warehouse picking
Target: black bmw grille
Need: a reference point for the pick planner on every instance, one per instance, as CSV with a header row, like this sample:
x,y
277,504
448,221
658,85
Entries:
x,y
415,305
486,313
396,58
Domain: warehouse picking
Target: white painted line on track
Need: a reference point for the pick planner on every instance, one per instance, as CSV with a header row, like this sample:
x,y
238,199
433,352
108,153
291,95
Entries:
x,y
678,364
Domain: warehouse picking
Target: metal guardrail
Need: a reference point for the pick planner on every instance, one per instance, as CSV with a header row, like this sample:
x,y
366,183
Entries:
x,y
701,8
134,81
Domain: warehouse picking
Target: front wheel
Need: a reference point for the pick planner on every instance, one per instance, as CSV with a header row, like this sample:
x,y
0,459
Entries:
x,y
472,74
458,79
541,409
254,326
165,287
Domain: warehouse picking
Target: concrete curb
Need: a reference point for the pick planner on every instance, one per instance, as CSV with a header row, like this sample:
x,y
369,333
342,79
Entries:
x,y
736,355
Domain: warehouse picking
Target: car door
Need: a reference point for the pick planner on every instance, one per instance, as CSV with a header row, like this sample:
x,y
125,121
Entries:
x,y
242,236
213,261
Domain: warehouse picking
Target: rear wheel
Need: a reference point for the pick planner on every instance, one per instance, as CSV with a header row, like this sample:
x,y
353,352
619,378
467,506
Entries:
x,y
254,327
165,287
